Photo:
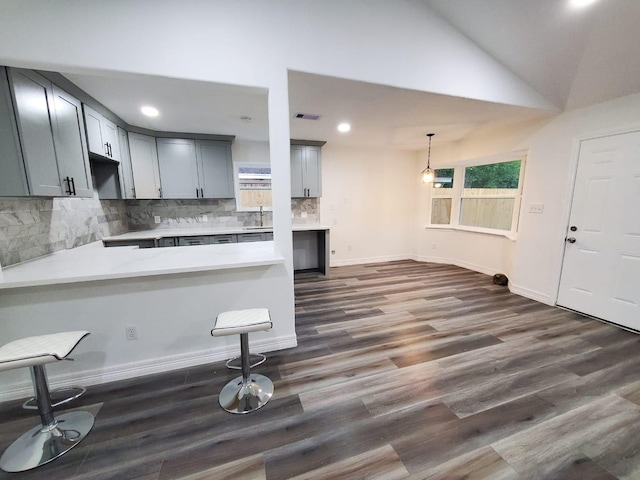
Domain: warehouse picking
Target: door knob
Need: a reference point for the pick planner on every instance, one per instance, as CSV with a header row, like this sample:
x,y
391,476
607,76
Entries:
x,y
571,240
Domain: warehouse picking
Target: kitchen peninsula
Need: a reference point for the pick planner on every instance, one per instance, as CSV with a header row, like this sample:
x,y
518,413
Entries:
x,y
169,296
311,242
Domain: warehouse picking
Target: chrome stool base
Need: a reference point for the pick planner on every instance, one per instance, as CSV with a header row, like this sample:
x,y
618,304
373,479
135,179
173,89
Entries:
x,y
240,397
42,444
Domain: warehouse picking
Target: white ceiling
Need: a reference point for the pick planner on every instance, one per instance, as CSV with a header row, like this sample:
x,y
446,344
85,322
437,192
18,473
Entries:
x,y
574,58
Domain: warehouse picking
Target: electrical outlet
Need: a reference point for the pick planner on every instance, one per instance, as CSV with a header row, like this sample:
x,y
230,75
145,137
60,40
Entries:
x,y
131,333
205,218
156,218
303,215
333,252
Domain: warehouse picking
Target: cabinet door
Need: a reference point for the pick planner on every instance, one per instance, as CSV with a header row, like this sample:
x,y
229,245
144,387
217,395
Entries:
x,y
126,175
110,138
144,165
93,121
215,169
312,171
70,143
13,180
297,171
33,100
178,170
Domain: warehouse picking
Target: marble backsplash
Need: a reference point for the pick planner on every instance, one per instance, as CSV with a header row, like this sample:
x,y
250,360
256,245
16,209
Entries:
x,y
34,226
213,213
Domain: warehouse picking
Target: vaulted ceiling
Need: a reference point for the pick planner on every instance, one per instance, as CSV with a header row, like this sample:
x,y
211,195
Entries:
x,y
572,57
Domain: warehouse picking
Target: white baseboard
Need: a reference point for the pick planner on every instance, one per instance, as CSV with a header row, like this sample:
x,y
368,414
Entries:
x,y
458,263
146,367
362,261
532,294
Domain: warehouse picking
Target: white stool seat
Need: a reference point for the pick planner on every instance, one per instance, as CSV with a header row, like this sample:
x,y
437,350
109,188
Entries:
x,y
39,350
235,322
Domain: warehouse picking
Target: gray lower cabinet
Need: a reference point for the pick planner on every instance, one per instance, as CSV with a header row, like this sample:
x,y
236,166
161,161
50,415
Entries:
x,y
306,165
52,137
218,239
251,237
186,241
195,168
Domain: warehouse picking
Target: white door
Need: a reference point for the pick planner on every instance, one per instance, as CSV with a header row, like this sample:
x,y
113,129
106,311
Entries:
x,y
601,269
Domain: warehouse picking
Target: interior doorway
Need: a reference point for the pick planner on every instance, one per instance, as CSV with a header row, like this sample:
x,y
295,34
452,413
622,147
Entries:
x,y
601,267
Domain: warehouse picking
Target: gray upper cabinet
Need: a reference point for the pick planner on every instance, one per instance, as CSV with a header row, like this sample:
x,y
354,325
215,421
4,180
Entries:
x,y
13,180
195,168
70,143
51,135
178,168
33,101
128,190
215,169
144,165
306,167
102,135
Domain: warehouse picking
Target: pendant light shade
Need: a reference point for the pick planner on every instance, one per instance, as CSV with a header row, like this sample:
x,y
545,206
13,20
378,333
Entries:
x,y
428,174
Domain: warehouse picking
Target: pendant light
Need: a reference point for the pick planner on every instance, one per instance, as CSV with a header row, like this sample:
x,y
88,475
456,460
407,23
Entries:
x,y
428,174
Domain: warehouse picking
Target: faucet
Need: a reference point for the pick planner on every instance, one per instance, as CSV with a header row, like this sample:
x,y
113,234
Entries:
x,y
261,216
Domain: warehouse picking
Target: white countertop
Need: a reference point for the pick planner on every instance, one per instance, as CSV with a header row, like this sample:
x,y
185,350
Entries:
x,y
94,262
188,232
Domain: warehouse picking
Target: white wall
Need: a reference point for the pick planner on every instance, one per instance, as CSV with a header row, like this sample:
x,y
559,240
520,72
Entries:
x,y
533,263
368,200
173,315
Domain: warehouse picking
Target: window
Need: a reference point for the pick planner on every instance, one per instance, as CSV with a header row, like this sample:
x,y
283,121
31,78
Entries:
x,y
442,196
489,194
481,196
253,186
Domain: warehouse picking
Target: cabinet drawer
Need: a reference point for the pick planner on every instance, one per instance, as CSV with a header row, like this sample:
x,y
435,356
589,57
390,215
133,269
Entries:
x,y
168,242
186,241
251,237
215,239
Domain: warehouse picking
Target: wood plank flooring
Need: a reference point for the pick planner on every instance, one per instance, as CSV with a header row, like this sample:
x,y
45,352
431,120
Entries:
x,y
404,370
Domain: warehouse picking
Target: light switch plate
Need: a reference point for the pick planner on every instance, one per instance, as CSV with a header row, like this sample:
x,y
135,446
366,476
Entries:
x,y
303,215
536,207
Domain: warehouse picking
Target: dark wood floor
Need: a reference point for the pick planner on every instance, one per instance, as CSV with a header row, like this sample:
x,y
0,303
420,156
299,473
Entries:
x,y
404,370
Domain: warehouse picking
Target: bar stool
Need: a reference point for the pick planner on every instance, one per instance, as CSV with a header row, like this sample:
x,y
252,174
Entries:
x,y
248,392
56,435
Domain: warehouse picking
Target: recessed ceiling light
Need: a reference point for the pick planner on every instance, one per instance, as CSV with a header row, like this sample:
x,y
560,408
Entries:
x,y
150,111
344,127
581,3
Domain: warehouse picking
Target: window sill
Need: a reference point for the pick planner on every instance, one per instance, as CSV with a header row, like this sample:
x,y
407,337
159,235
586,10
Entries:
x,y
483,231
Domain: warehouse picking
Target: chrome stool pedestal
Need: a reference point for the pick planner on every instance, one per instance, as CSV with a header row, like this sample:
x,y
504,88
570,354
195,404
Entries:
x,y
248,392
57,434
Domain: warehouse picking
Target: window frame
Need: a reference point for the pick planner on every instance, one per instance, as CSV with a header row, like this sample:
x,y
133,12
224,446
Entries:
x,y
458,196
